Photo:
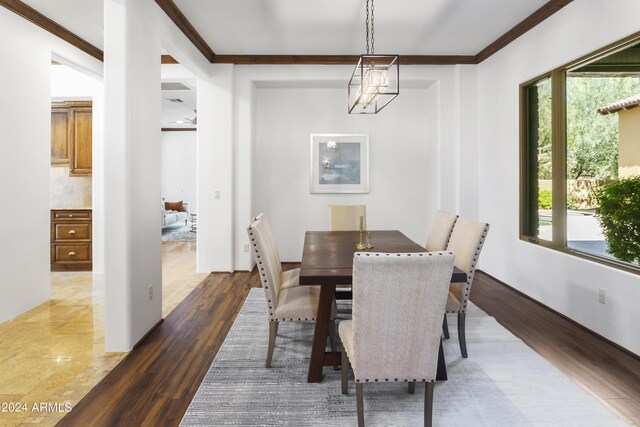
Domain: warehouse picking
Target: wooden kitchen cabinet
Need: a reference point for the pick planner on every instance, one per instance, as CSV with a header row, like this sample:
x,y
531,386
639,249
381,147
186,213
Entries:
x,y
71,240
71,136
60,129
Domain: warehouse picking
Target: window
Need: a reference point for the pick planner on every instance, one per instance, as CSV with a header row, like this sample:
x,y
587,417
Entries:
x,y
580,157
537,169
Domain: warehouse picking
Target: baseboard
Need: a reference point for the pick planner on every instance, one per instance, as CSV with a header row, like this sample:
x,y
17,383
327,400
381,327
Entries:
x,y
568,319
153,328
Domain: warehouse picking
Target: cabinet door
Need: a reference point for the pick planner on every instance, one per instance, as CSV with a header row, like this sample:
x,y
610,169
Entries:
x,y
60,129
81,142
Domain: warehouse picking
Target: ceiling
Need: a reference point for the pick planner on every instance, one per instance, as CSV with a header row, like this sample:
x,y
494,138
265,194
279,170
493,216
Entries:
x,y
175,112
82,17
322,27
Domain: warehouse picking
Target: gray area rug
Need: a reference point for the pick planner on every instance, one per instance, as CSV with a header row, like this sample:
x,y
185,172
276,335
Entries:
x,y
178,233
502,383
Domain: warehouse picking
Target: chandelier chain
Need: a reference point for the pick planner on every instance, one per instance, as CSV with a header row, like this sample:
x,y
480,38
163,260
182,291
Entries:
x,y
367,26
372,30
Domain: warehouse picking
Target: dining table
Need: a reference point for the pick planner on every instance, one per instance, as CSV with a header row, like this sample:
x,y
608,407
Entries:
x,y
327,261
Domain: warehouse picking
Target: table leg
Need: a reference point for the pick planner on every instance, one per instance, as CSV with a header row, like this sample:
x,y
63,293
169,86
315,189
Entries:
x,y
323,319
441,373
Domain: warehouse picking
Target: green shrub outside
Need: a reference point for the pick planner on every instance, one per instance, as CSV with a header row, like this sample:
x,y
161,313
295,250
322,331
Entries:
x,y
545,200
619,215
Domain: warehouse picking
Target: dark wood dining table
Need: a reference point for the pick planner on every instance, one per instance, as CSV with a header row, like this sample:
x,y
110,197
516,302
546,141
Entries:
x,y
327,261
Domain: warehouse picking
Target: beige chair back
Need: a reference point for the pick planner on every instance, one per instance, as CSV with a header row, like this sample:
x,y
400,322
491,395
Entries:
x,y
346,217
441,229
398,304
466,243
268,266
271,241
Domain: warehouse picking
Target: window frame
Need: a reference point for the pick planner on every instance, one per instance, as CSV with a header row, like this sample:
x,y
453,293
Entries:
x,y
558,79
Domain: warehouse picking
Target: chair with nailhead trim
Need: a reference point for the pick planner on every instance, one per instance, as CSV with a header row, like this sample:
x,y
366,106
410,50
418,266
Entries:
x,y
438,240
394,335
292,304
441,229
466,243
289,278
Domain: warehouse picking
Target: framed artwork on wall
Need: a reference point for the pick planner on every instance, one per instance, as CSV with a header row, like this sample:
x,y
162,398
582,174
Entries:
x,y
339,163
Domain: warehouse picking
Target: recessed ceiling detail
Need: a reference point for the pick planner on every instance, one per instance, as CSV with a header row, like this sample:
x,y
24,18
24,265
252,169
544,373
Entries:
x,y
174,86
334,27
312,31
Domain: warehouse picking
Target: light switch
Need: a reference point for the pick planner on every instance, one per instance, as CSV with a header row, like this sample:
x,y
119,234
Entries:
x,y
216,194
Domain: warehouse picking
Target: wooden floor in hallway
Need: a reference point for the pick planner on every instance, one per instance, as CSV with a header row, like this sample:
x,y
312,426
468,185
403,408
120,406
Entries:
x,y
54,353
155,383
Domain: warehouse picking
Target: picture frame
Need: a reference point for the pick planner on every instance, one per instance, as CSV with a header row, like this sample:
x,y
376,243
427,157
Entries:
x,y
338,163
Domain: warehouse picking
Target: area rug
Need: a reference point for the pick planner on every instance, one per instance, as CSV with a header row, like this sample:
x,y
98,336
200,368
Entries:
x,y
502,383
178,233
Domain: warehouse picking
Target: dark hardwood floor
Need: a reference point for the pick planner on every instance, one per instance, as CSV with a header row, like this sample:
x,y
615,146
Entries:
x,y
155,383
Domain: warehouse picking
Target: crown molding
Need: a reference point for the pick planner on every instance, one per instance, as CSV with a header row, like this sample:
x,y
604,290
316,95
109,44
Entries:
x,y
338,59
181,21
525,25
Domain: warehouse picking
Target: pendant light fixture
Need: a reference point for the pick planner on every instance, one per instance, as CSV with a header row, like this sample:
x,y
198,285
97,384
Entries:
x,y
374,81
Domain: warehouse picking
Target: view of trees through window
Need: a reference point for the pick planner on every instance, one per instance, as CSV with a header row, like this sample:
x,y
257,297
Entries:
x,y
593,150
601,155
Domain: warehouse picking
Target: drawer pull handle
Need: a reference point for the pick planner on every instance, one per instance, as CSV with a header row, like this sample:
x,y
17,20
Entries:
x,y
70,215
72,231
72,254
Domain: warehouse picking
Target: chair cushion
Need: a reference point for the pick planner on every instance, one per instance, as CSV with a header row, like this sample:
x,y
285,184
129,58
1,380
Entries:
x,y
299,303
453,304
290,278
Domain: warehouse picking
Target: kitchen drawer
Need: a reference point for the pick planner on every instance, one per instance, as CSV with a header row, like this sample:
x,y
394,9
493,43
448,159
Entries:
x,y
71,231
70,215
71,252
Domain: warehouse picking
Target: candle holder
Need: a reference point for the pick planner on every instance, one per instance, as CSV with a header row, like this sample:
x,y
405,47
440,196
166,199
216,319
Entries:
x,y
369,245
360,245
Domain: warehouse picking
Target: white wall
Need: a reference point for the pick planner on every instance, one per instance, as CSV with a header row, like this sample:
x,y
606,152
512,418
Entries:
x,y
178,167
399,151
565,283
436,184
216,171
25,123
132,173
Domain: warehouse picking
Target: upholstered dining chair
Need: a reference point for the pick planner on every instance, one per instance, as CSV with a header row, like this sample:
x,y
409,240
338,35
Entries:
x,y
466,243
292,304
289,278
346,217
441,229
394,335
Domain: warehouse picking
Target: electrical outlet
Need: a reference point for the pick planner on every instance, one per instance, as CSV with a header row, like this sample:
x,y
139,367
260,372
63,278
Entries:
x,y
246,247
602,296
150,292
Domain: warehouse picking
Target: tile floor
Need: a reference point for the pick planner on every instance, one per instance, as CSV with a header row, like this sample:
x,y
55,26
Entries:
x,y
54,353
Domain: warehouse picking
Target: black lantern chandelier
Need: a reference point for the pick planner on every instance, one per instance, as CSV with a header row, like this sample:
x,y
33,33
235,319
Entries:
x,y
374,82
